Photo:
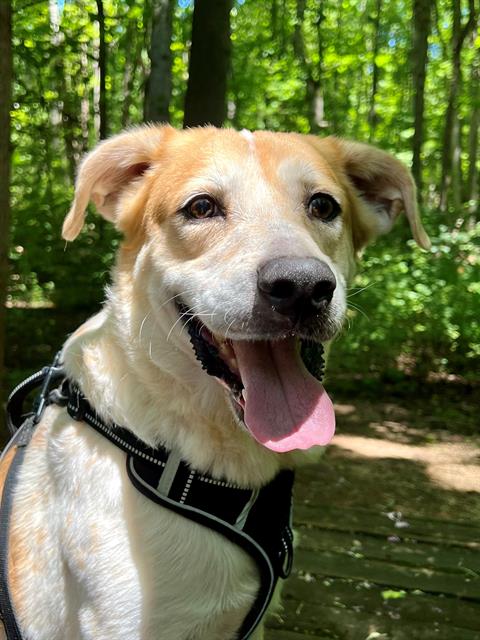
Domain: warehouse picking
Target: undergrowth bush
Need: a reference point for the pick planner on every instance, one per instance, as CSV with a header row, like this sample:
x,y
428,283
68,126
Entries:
x,y
416,311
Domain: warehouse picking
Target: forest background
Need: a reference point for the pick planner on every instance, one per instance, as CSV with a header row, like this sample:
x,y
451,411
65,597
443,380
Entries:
x,y
400,74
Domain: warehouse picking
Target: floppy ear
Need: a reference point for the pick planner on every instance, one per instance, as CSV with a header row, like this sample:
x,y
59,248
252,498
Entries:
x,y
385,186
107,171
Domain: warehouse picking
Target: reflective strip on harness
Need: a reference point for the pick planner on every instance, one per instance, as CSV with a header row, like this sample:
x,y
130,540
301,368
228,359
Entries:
x,y
273,556
259,521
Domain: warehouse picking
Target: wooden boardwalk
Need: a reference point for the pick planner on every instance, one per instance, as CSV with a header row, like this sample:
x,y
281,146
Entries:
x,y
365,571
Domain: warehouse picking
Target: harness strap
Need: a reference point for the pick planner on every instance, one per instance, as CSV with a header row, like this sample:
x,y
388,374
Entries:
x,y
21,426
259,520
261,528
45,378
17,447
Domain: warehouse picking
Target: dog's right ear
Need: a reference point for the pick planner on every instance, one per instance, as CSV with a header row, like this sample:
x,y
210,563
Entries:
x,y
108,170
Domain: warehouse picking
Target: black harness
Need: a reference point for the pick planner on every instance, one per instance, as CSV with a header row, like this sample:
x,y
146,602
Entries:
x,y
258,520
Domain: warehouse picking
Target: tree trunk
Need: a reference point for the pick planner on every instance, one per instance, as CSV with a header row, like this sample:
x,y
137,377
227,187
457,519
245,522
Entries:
x,y
158,88
472,194
85,115
373,116
206,97
341,97
313,86
319,104
102,66
5,104
274,20
451,152
64,112
421,31
132,49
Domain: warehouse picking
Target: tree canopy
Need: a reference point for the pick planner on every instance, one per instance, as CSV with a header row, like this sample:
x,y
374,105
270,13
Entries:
x,y
401,74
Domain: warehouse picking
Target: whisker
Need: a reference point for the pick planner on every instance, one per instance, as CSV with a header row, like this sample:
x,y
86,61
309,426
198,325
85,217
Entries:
x,y
122,378
228,328
371,284
192,315
142,325
182,315
177,295
359,309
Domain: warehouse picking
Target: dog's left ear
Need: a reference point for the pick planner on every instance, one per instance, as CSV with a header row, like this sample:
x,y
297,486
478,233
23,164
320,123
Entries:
x,y
384,186
107,171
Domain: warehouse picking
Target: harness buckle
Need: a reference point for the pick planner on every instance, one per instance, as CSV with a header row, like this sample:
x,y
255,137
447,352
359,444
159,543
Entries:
x,y
51,373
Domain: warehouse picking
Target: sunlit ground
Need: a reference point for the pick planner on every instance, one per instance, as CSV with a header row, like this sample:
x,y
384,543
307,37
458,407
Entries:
x,y
451,465
388,524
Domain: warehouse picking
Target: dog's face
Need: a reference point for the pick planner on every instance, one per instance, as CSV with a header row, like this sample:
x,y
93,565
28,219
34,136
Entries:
x,y
250,233
249,239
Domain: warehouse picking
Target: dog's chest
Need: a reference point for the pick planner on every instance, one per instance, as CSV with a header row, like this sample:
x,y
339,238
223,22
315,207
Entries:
x,y
131,568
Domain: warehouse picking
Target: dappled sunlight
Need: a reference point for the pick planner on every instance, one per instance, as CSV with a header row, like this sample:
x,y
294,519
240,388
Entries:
x,y
344,409
25,304
399,431
449,465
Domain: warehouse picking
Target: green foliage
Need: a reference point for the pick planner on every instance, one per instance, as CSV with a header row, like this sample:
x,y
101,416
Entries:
x,y
420,311
414,310
393,594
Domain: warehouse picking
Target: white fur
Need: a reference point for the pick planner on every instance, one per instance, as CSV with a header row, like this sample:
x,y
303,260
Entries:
x,y
90,557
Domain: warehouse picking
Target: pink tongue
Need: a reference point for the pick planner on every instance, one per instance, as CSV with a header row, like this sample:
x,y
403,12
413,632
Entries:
x,y
285,406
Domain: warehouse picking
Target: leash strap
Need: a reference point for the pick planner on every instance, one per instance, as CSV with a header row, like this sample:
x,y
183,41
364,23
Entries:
x,y
8,616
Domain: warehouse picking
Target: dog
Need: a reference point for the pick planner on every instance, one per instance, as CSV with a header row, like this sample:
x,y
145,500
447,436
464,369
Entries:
x,y
252,237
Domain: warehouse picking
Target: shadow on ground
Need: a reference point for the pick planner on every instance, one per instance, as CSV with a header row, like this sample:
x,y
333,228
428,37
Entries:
x,y
388,531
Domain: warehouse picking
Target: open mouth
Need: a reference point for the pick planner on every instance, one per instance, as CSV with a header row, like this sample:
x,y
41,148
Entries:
x,y
274,385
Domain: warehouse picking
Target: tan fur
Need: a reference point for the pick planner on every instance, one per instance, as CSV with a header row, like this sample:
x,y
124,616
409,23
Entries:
x,y
5,465
23,547
116,565
16,553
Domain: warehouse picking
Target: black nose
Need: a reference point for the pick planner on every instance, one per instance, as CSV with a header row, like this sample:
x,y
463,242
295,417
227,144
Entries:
x,y
296,286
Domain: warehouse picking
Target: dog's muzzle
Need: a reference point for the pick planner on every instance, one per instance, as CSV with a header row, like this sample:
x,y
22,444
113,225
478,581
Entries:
x,y
298,288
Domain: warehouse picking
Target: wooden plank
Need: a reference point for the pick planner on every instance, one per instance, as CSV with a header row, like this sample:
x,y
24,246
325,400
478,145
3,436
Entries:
x,y
339,565
457,559
277,634
367,597
345,624
380,524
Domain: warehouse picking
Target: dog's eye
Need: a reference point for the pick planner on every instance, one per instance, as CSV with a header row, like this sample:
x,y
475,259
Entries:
x,y
201,207
323,206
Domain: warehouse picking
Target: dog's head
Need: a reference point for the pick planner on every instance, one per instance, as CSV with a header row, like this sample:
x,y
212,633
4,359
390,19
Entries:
x,y
247,239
